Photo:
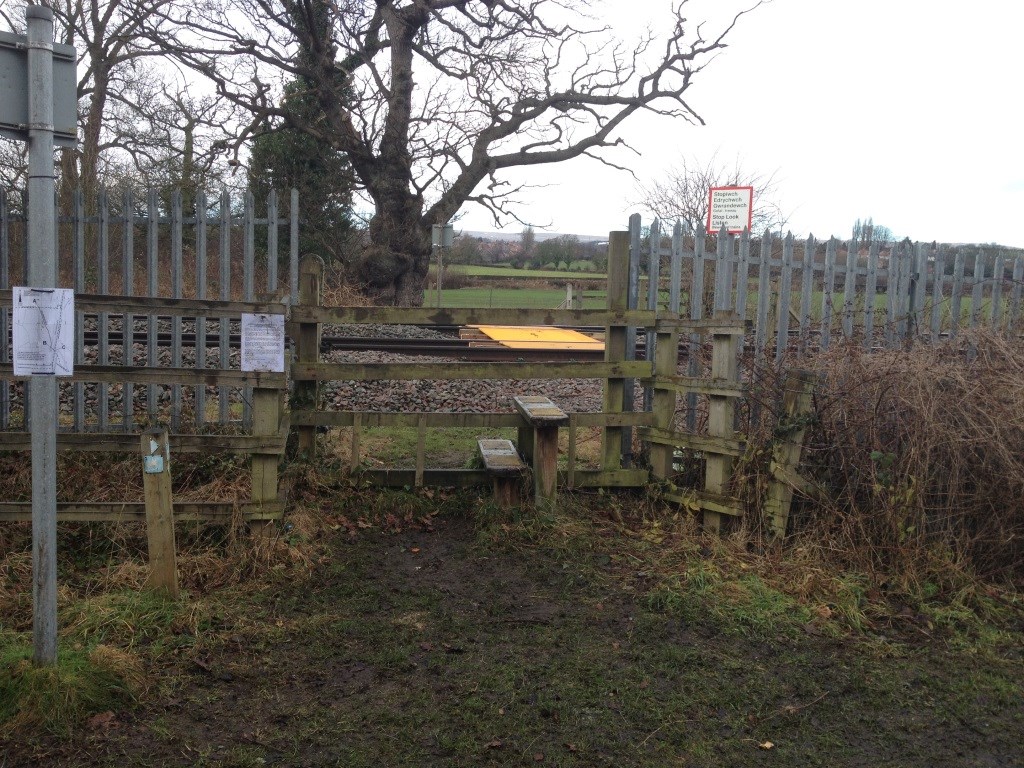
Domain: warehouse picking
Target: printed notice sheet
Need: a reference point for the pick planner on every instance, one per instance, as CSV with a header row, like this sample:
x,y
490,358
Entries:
x,y
263,343
44,331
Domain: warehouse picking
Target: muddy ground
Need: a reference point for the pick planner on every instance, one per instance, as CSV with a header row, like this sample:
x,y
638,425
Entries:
x,y
446,645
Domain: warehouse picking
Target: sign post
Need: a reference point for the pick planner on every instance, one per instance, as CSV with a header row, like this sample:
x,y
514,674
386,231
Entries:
x,y
442,236
27,110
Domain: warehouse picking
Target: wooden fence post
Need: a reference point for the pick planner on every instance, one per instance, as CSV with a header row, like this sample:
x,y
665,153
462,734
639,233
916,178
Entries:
x,y
796,404
156,483
615,346
267,407
666,360
305,396
721,410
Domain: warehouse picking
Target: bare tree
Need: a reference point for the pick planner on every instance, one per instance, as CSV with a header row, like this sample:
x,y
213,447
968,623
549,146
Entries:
x,y
432,100
683,192
138,120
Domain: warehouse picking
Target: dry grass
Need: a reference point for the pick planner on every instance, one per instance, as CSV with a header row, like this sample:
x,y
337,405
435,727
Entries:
x,y
918,455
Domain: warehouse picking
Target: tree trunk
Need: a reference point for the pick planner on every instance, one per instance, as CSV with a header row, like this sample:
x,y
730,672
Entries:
x,y
394,266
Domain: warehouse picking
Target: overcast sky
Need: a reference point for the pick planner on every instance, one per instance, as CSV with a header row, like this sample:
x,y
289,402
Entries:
x,y
907,111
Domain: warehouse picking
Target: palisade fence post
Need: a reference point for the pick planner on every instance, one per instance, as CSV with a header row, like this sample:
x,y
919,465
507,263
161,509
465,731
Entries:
x,y
224,282
892,292
248,283
293,247
827,292
696,313
103,326
152,257
764,289
919,289
1015,295
997,293
653,283
305,397
785,292
850,286
938,288
127,319
806,292
743,280
272,242
176,292
870,289
615,346
632,302
202,267
78,269
977,287
956,296
5,319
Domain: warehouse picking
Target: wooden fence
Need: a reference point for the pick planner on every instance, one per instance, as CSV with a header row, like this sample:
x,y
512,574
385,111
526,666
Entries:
x,y
152,346
802,295
126,387
150,251
616,421
264,440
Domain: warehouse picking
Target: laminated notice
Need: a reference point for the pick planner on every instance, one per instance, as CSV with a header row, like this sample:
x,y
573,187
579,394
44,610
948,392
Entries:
x,y
43,331
263,342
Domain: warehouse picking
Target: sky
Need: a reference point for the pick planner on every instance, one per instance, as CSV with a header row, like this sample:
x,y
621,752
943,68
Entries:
x,y
905,111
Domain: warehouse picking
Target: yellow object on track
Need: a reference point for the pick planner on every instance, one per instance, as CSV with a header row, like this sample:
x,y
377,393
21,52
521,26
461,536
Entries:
x,y
529,337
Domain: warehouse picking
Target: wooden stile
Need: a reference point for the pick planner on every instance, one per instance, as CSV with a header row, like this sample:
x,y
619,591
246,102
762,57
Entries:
x,y
796,405
615,347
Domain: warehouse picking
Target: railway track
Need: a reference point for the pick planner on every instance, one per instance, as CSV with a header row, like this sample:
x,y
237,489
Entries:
x,y
464,349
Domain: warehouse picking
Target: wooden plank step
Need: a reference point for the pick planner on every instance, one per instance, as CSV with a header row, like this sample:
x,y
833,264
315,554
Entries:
x,y
500,456
540,411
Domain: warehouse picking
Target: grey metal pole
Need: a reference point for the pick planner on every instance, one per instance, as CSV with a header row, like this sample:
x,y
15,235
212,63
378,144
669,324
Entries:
x,y
42,273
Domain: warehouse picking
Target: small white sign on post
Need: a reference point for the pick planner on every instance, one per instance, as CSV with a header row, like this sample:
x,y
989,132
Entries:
x,y
263,343
731,207
44,331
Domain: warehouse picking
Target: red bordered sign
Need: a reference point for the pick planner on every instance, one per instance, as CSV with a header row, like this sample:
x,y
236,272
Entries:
x,y
731,207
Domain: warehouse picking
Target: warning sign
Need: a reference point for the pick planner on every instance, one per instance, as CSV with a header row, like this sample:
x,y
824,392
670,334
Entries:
x,y
730,207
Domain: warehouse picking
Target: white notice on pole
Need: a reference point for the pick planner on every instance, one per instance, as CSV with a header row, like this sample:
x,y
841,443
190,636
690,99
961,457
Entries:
x,y
44,331
263,343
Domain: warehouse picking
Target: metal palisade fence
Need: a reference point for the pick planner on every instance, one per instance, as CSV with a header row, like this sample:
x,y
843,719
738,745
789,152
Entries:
x,y
801,295
153,247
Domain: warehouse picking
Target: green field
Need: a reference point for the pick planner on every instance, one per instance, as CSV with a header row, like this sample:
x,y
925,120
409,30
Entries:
x,y
529,298
475,270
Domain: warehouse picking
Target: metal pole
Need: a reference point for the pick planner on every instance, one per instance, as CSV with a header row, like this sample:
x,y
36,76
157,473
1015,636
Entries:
x,y
42,273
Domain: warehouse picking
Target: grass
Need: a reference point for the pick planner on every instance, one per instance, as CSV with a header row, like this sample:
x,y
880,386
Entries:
x,y
475,270
448,447
56,698
443,631
513,298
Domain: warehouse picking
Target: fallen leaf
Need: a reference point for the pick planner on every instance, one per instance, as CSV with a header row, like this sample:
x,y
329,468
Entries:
x,y
426,647
101,720
414,550
539,757
766,745
571,747
495,744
